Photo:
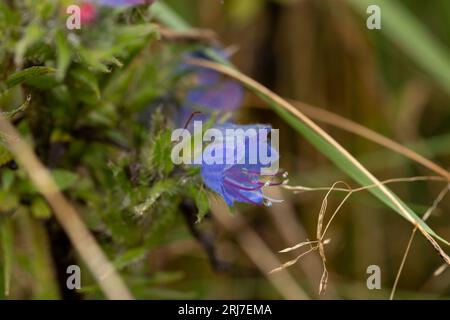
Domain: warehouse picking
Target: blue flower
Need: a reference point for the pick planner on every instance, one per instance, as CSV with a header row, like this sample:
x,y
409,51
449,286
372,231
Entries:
x,y
241,180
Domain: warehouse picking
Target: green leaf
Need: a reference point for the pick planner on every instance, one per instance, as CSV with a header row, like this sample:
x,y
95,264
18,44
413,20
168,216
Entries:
x,y
161,187
12,113
8,17
160,157
87,78
5,155
40,209
164,278
201,201
8,201
94,59
134,36
165,14
7,178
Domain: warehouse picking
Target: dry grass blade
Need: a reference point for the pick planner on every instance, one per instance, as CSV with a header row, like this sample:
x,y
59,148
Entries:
x,y
104,272
298,246
440,270
324,279
284,218
292,262
320,242
321,234
340,122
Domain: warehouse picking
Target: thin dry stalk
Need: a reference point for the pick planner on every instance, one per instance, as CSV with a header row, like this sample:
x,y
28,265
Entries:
x,y
340,122
427,214
320,242
104,272
321,232
384,182
292,231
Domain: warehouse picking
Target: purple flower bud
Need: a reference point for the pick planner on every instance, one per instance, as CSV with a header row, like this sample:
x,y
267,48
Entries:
x,y
211,92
